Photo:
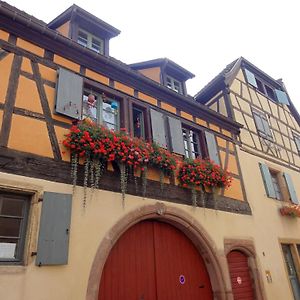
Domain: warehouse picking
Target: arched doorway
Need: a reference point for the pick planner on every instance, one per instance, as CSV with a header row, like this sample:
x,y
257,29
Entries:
x,y
240,275
154,260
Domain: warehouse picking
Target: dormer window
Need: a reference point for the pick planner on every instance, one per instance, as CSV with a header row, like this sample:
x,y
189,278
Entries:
x,y
90,41
174,84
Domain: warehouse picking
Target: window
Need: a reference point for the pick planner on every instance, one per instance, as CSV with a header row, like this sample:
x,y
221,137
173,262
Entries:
x,y
276,95
191,143
88,40
275,182
262,124
138,123
13,222
297,142
174,84
278,185
291,259
101,109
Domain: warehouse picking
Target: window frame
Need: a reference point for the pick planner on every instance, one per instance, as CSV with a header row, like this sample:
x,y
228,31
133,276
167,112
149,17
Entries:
x,y
20,251
172,82
187,130
89,39
297,141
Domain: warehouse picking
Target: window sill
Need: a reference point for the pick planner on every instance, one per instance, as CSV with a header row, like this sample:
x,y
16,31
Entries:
x,y
12,269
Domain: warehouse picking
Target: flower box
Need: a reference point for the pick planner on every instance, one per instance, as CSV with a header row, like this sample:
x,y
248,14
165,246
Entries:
x,y
290,210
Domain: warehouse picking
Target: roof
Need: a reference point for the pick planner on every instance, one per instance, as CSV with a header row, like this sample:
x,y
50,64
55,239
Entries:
x,y
25,26
163,62
76,11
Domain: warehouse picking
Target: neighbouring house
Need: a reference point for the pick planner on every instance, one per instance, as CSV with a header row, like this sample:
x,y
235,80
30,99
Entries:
x,y
116,184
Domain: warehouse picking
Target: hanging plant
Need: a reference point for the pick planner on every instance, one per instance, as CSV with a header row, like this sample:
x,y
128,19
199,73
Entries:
x,y
292,210
204,174
163,160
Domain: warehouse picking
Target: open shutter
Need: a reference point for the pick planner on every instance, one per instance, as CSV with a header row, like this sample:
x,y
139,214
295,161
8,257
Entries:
x,y
267,180
69,94
282,97
176,135
212,147
158,128
250,78
291,188
53,243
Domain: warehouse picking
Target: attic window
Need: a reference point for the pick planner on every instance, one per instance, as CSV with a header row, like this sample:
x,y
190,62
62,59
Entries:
x,y
90,41
174,84
266,89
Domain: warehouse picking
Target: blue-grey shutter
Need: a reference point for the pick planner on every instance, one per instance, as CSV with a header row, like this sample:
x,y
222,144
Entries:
x,y
69,94
176,136
250,78
282,97
267,180
291,188
258,122
53,243
158,128
212,147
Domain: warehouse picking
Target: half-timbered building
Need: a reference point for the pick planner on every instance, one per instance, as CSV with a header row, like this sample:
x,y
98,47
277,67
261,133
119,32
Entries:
x,y
60,241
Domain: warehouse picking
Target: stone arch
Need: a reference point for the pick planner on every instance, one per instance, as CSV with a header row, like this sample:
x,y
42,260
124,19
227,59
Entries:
x,y
174,216
247,247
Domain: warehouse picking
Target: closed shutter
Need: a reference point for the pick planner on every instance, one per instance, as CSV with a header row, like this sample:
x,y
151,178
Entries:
x,y
267,180
212,147
282,97
291,188
176,135
69,94
258,122
250,78
53,243
158,128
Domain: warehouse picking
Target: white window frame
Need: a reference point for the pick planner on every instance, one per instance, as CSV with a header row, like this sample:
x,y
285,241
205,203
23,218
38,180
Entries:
x,y
89,43
97,113
188,140
171,84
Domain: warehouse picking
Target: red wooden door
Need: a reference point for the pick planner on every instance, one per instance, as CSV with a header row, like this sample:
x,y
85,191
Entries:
x,y
240,276
154,261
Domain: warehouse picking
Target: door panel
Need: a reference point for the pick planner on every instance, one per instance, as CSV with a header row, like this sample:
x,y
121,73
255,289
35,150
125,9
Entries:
x,y
181,272
241,281
154,261
129,270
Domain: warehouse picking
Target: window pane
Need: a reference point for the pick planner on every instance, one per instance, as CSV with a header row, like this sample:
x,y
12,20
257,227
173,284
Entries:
x,y
260,86
110,114
11,207
270,92
9,227
8,248
276,185
82,38
89,106
138,123
96,45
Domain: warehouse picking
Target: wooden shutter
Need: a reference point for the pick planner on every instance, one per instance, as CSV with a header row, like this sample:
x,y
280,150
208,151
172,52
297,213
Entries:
x,y
267,180
158,128
212,147
250,78
291,188
69,94
282,97
175,128
53,243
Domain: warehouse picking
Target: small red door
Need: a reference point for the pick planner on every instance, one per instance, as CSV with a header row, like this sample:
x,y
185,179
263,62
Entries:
x,y
240,276
154,261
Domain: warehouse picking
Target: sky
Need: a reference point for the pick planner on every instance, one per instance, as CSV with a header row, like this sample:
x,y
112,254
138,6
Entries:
x,y
201,36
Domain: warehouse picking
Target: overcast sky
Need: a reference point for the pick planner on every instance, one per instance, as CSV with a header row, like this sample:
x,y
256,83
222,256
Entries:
x,y
201,36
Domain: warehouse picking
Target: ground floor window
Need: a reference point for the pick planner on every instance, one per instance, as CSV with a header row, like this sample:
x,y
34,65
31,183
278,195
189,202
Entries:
x,y
291,253
13,223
